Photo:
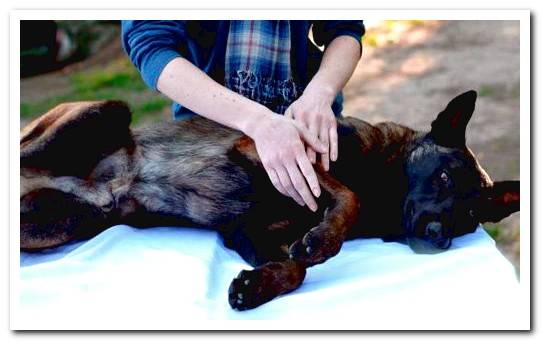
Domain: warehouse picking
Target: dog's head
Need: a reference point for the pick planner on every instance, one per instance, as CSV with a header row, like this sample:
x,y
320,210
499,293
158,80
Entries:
x,y
59,151
449,193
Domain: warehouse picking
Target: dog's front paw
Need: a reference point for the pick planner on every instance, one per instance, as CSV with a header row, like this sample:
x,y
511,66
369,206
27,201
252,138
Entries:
x,y
253,288
250,289
316,246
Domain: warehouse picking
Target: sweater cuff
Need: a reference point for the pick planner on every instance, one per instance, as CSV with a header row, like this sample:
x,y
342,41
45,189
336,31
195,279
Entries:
x,y
154,65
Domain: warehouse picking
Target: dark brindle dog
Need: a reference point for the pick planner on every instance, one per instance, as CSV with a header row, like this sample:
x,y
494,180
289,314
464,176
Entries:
x,y
83,170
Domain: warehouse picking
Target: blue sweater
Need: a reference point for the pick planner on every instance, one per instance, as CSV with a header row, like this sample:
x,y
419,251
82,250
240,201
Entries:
x,y
151,45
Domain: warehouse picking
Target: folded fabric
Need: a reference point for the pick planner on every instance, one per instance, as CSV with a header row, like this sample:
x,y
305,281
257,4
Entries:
x,y
170,278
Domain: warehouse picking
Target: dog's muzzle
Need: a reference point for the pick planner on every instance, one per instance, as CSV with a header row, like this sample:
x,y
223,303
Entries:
x,y
434,240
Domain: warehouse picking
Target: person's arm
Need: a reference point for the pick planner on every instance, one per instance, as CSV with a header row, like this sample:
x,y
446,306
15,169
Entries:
x,y
152,46
278,139
313,108
343,50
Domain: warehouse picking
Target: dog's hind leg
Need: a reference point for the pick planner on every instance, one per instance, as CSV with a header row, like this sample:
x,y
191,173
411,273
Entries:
x,y
325,240
50,218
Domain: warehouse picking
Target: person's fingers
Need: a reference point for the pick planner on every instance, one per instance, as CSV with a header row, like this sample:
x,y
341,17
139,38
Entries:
x,y
283,175
276,181
288,113
311,154
309,173
324,138
300,185
311,139
333,137
313,128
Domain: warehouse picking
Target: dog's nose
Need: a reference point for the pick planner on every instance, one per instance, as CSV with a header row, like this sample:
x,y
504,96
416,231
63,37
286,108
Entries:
x,y
434,230
443,244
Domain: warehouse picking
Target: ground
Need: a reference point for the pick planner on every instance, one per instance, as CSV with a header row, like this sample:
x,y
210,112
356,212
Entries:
x,y
408,73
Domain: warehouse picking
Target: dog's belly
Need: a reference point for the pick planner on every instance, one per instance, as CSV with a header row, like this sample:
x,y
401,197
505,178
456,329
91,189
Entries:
x,y
183,169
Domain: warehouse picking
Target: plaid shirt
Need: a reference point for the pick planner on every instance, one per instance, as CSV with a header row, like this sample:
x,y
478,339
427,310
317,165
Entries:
x,y
152,44
257,62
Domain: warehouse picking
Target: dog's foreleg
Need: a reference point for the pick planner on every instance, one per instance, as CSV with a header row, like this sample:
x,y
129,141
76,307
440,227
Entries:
x,y
325,240
252,288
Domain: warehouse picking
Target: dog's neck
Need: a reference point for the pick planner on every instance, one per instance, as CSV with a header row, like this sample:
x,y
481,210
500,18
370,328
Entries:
x,y
397,142
376,171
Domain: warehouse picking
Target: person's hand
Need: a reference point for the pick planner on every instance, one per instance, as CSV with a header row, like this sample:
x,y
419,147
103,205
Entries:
x,y
279,144
313,111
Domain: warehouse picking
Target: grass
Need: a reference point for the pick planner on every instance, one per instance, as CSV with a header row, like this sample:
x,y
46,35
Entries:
x,y
509,91
146,109
116,80
494,230
119,75
486,91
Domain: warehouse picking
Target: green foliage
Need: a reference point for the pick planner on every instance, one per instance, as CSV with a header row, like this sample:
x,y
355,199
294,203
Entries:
x,y
494,230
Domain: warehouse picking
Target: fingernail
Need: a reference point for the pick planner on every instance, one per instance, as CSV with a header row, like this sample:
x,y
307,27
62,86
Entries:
x,y
316,191
313,208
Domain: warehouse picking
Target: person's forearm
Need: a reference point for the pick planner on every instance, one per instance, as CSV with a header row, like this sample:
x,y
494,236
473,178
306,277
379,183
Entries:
x,y
337,66
184,83
278,140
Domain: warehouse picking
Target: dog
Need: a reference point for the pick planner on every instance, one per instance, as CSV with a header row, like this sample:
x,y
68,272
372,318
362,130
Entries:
x,y
83,170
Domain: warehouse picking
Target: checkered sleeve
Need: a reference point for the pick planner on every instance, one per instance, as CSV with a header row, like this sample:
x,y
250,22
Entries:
x,y
325,31
152,44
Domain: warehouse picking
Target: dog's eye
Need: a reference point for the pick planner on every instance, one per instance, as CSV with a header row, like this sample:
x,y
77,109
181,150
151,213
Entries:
x,y
444,177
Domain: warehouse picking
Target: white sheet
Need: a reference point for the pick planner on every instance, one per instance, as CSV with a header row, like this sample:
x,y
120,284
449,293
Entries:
x,y
174,278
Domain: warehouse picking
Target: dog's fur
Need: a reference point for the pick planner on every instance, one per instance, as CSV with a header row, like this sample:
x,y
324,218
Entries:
x,y
83,170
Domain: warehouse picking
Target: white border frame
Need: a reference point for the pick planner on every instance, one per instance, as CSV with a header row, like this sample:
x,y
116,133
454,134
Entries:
x,y
519,320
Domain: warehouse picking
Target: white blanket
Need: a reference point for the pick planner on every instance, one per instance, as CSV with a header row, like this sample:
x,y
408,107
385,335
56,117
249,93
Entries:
x,y
174,278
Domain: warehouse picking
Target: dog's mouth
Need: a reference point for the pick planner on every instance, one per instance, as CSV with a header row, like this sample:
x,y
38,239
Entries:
x,y
422,246
429,237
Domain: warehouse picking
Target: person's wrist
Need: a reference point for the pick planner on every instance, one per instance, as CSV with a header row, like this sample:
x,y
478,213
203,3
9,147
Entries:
x,y
255,119
320,92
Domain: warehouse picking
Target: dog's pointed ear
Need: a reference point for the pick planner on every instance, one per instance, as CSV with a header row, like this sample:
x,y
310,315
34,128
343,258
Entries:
x,y
449,128
498,201
72,137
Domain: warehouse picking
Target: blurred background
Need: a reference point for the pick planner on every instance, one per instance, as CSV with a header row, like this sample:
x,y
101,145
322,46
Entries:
x,y
408,73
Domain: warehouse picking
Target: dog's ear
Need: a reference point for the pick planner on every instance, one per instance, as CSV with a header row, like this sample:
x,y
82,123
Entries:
x,y
449,128
72,137
498,201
